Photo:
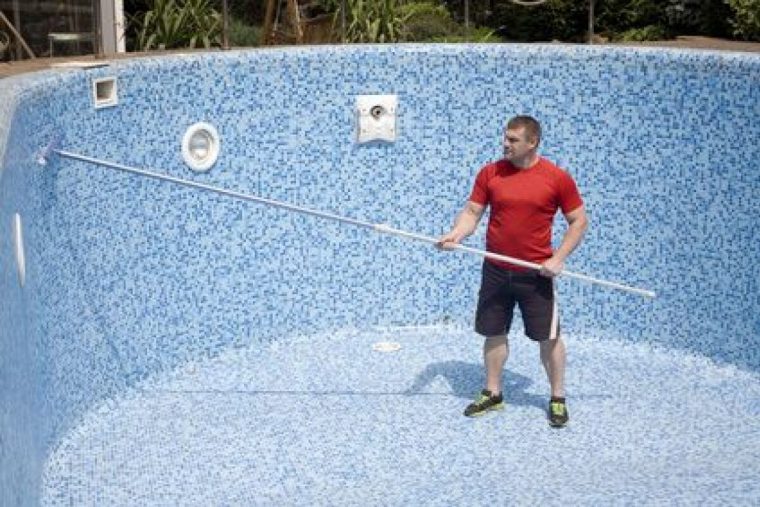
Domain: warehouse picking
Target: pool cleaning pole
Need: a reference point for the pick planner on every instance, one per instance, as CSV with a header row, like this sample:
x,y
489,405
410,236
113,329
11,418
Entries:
x,y
383,228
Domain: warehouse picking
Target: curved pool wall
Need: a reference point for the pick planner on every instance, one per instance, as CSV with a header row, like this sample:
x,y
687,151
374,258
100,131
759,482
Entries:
x,y
127,277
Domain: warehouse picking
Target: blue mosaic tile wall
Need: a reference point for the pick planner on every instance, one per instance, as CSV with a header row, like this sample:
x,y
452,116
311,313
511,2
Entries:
x,y
22,444
129,276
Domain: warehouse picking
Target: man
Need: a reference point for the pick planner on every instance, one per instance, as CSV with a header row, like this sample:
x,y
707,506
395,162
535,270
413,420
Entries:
x,y
524,191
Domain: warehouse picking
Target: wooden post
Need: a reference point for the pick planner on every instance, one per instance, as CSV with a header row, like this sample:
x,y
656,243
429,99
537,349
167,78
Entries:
x,y
295,20
266,37
225,26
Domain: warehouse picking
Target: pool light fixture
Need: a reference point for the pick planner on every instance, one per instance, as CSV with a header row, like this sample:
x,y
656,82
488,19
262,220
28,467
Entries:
x,y
200,146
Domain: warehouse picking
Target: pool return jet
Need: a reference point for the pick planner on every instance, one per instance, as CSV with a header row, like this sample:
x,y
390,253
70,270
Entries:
x,y
382,228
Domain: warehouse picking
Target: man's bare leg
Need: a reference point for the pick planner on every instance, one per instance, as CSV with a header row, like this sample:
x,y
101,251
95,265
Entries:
x,y
495,354
554,356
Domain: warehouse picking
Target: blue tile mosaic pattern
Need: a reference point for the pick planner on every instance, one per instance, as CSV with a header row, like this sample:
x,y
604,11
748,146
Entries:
x,y
325,420
130,278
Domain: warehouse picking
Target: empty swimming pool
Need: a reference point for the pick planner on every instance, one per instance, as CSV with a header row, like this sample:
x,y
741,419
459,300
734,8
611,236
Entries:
x,y
164,345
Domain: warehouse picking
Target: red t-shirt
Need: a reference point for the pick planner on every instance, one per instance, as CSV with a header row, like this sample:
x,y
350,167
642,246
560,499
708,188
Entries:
x,y
523,204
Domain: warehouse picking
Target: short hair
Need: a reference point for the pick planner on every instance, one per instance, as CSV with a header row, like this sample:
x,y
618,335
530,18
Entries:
x,y
530,124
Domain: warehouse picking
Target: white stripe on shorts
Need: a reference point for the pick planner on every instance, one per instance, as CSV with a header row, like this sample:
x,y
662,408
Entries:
x,y
553,331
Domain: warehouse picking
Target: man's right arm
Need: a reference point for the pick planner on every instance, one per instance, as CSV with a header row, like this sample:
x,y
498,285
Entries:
x,y
465,225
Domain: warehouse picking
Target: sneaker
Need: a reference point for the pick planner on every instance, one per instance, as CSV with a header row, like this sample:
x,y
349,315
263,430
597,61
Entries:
x,y
558,416
485,402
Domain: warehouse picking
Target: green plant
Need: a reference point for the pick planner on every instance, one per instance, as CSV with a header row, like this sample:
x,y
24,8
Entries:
x,y
244,35
177,24
649,32
746,19
426,21
328,5
373,20
481,34
554,19
633,19
705,17
620,15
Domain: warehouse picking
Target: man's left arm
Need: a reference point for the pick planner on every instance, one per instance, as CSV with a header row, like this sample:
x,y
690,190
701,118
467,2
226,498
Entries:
x,y
576,228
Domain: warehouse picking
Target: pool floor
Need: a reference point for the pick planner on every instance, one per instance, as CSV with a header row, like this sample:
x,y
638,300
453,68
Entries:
x,y
327,420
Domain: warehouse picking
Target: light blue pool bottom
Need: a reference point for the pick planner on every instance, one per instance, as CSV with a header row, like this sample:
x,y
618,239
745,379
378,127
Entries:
x,y
326,420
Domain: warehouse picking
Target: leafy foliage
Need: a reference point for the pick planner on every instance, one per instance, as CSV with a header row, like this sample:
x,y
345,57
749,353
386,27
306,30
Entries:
x,y
707,17
649,32
372,21
746,20
427,21
192,23
480,34
431,22
554,19
617,16
244,35
177,24
403,21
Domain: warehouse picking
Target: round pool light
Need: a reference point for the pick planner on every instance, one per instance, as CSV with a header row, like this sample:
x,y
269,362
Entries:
x,y
200,146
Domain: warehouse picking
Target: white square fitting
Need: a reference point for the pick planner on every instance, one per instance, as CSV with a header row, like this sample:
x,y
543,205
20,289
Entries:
x,y
104,93
376,118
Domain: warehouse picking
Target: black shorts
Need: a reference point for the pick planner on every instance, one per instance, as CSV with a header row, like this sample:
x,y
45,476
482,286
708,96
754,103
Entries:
x,y
501,288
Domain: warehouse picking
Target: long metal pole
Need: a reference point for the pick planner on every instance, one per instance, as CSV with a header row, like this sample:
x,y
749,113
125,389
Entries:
x,y
383,228
591,21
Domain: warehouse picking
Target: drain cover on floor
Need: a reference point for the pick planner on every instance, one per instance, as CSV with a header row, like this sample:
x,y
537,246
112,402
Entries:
x,y
386,346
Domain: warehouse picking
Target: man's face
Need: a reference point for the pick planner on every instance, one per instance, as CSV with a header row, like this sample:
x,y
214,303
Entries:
x,y
517,145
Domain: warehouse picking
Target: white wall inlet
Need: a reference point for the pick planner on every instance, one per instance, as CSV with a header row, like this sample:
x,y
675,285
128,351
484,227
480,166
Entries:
x,y
376,118
18,244
104,92
200,146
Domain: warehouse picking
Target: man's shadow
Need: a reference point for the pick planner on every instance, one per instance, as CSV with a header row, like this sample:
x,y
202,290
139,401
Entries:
x,y
466,380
